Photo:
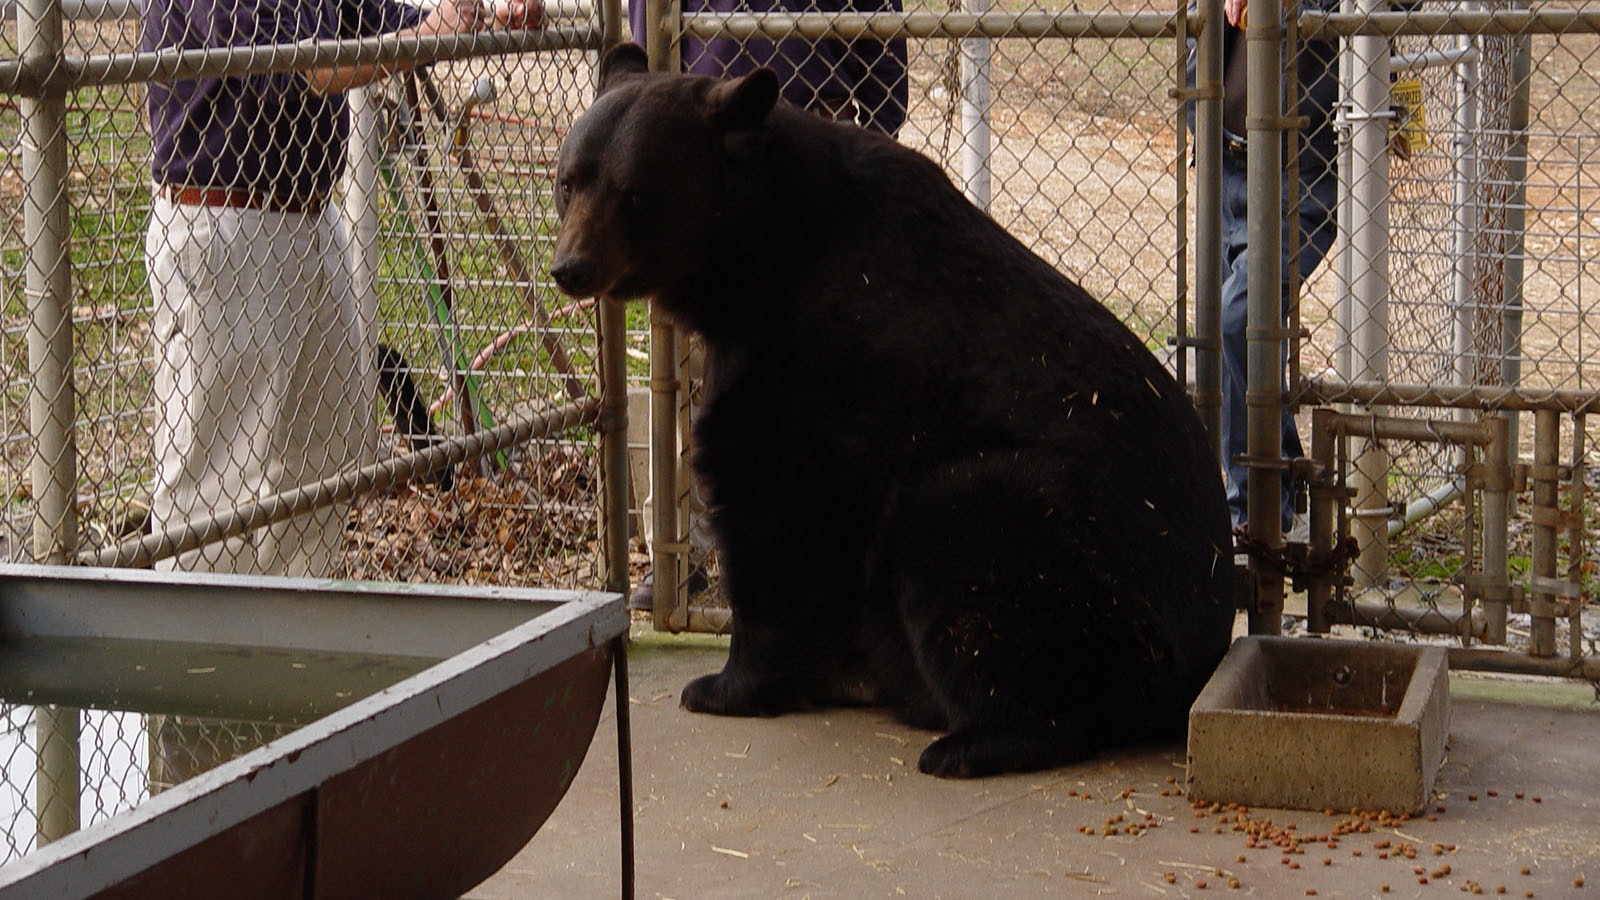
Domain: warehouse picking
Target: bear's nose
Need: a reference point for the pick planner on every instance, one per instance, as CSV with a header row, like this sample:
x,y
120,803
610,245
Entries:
x,y
574,275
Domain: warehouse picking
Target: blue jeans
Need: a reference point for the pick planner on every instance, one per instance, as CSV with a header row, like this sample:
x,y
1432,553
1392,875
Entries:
x,y
1319,192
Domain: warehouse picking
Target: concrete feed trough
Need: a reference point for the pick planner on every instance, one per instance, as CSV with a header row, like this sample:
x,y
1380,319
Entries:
x,y
1300,723
438,726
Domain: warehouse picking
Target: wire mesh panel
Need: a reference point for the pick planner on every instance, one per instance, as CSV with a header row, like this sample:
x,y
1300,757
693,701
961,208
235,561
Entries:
x,y
1486,267
1070,143
468,320
438,349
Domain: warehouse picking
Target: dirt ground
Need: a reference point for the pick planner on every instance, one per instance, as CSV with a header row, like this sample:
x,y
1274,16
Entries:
x,y
830,804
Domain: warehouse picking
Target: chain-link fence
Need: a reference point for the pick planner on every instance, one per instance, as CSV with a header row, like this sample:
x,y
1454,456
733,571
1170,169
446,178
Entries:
x,y
1060,119
1452,298
234,340
1440,359
1469,355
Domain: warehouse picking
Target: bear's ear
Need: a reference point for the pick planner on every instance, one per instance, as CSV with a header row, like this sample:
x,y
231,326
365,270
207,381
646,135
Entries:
x,y
744,103
619,63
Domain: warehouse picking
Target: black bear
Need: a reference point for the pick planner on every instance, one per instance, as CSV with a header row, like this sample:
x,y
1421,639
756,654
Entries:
x,y
943,478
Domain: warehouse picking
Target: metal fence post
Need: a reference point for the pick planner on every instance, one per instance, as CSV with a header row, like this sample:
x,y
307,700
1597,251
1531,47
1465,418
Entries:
x,y
1208,222
1368,241
1264,331
360,209
1496,588
1516,222
1546,512
613,403
46,227
976,99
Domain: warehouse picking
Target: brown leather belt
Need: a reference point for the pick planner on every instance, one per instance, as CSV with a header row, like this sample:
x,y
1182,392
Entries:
x,y
241,199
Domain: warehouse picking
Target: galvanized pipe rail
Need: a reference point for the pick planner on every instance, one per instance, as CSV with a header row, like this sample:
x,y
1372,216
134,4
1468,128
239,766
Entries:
x,y
1551,594
1429,22
64,72
1453,396
952,25
347,486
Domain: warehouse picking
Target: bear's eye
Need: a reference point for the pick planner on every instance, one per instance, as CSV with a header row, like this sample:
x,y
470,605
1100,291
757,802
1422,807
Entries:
x,y
563,190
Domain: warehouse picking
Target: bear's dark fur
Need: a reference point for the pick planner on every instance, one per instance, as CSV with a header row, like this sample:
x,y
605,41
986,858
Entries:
x,y
944,479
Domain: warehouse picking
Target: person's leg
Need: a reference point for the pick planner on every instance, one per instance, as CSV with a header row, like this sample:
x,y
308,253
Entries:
x,y
1317,228
211,375
1235,316
324,423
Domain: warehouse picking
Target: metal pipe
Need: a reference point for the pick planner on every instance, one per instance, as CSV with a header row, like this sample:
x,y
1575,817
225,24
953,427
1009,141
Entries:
x,y
613,452
1458,21
700,618
127,10
662,18
1433,59
360,210
1457,396
1369,116
1418,621
1427,504
619,697
1464,150
1546,512
666,535
976,100
1577,548
58,783
1516,222
613,427
1325,499
1497,459
1380,428
47,230
887,25
610,12
1208,224
1264,332
340,488
1586,668
70,72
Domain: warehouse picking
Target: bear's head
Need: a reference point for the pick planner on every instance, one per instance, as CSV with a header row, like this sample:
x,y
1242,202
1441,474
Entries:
x,y
648,182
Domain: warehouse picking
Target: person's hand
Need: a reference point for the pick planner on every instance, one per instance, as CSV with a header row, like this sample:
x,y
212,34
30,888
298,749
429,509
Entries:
x,y
520,14
1233,11
454,17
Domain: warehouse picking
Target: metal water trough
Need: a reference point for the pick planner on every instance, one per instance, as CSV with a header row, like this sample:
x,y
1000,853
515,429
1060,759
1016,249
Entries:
x,y
464,715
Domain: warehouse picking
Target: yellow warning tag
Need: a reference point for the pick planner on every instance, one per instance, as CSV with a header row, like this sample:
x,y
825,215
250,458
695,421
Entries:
x,y
1408,130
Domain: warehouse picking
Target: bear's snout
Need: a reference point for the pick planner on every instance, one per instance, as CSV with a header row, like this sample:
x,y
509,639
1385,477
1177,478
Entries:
x,y
575,275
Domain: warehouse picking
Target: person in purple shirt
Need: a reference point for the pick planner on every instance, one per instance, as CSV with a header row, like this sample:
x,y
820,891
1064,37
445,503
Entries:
x,y
863,80
263,379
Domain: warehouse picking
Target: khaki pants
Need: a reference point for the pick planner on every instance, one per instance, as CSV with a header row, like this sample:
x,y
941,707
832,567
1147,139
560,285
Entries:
x,y
264,379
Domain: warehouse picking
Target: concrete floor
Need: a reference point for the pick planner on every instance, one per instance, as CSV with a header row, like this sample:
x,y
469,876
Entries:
x,y
831,805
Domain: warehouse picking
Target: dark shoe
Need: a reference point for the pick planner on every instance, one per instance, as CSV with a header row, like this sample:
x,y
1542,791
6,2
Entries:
x,y
643,596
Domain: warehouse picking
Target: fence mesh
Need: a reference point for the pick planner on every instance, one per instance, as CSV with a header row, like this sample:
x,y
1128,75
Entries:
x,y
1489,256
454,226
1489,279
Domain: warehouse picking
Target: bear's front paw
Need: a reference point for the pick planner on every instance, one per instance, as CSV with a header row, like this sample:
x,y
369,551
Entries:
x,y
974,753
724,694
